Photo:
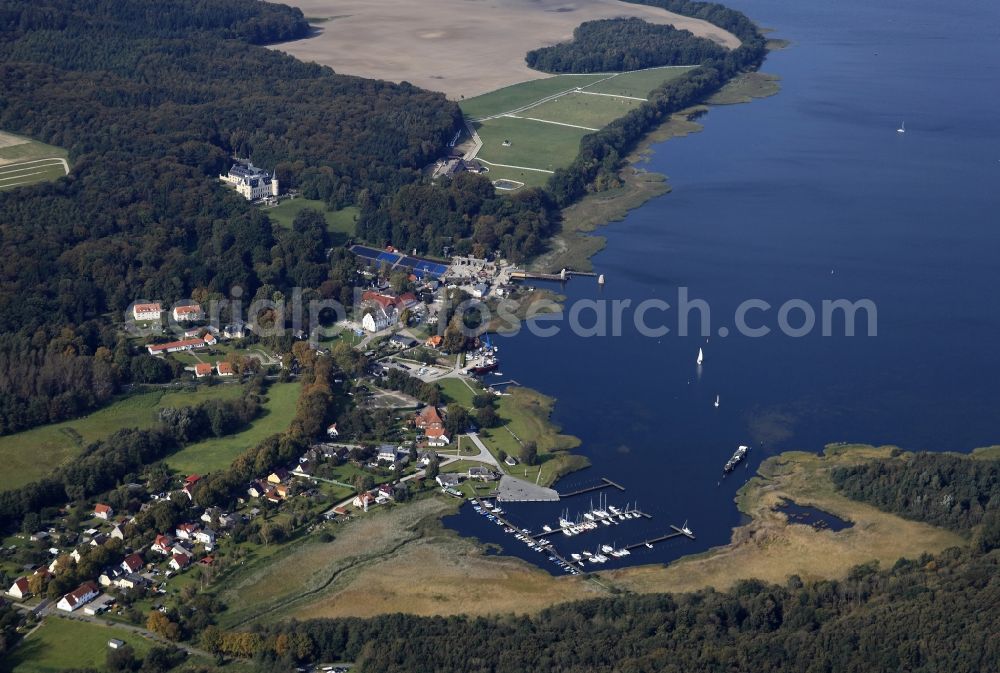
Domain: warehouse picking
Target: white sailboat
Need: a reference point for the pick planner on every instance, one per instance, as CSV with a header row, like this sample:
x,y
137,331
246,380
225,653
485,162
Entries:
x,y
716,401
902,128
701,356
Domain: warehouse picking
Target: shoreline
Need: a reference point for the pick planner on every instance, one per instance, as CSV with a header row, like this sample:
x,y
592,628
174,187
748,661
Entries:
x,y
576,244
769,547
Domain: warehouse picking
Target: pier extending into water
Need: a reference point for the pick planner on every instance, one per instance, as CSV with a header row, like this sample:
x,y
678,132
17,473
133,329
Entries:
x,y
678,532
563,275
606,483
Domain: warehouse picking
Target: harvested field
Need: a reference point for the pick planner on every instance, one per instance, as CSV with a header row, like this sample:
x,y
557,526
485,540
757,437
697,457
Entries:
x,y
459,47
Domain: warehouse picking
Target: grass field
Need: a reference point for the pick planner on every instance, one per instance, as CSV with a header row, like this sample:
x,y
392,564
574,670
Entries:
x,y
539,124
337,221
395,559
639,82
456,391
25,162
532,144
218,453
581,109
28,455
61,644
525,93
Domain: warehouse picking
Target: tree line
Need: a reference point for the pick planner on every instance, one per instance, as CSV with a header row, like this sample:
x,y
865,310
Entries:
x,y
109,462
601,153
463,215
944,489
922,615
611,45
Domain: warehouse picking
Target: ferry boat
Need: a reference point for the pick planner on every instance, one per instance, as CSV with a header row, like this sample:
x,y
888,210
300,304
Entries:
x,y
740,454
487,366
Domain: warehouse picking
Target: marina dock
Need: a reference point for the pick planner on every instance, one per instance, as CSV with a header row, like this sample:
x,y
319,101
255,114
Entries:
x,y
606,483
564,275
678,532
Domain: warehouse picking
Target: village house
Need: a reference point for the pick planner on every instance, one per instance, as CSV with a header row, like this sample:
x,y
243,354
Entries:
x,y
224,368
132,564
188,313
256,489
448,480
189,483
162,544
224,519
402,342
102,511
206,537
118,532
332,431
202,369
429,420
146,311
303,469
482,473
277,493
108,577
129,581
178,548
279,476
387,453
19,589
434,341
83,594
363,500
186,531
179,561
234,331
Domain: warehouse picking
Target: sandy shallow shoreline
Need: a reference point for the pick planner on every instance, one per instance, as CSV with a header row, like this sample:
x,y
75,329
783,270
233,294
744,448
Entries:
x,y
461,47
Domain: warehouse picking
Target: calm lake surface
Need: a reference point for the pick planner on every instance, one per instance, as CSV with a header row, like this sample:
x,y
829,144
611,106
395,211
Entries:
x,y
810,194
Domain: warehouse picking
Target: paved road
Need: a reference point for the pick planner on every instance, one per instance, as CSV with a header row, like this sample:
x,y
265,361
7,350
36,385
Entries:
x,y
484,455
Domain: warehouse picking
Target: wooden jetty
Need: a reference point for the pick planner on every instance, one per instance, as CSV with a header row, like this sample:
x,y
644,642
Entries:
x,y
678,532
606,483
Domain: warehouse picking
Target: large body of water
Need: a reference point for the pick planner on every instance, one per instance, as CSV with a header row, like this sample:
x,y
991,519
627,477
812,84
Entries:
x,y
809,194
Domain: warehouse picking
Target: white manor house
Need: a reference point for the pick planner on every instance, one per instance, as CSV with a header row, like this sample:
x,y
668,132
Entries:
x,y
252,182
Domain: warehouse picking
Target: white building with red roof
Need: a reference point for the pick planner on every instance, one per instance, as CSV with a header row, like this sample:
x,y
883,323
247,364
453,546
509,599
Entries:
x,y
188,313
150,311
82,595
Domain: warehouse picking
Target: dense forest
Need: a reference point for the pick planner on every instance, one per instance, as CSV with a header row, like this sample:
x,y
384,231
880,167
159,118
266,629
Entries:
x,y
465,214
928,614
151,100
611,45
944,489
